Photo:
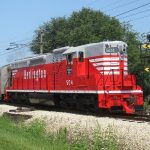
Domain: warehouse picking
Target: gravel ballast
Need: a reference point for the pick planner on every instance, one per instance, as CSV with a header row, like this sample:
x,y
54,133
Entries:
x,y
134,135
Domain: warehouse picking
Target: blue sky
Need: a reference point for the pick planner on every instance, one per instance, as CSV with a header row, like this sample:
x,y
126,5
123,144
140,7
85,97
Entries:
x,y
20,18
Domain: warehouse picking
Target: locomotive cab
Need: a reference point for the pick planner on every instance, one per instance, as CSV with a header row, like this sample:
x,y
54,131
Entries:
x,y
76,57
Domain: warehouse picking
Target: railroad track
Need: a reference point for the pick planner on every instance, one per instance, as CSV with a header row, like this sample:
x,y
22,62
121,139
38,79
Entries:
x,y
132,118
17,113
145,118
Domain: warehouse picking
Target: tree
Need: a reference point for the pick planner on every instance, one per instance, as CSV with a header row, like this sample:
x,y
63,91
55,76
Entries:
x,y
143,77
87,26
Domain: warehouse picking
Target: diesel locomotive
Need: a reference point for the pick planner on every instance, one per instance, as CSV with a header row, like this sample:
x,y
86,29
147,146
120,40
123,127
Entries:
x,y
91,77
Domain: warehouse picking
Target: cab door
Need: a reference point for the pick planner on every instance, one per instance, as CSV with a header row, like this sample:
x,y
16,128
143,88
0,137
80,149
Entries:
x,y
69,68
81,64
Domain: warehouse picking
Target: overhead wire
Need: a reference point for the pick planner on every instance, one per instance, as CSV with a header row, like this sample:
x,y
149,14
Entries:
x,y
146,16
16,49
94,1
126,4
122,5
23,40
125,12
118,1
135,14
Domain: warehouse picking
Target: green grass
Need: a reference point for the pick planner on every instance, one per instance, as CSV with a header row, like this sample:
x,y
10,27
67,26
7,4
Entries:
x,y
17,136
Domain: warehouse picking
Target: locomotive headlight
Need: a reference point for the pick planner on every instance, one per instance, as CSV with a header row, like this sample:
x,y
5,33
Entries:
x,y
124,48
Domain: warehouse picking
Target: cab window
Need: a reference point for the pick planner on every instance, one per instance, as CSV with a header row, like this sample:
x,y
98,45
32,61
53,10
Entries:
x,y
69,59
81,56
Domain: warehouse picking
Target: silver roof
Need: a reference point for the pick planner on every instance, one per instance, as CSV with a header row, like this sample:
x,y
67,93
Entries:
x,y
92,45
92,49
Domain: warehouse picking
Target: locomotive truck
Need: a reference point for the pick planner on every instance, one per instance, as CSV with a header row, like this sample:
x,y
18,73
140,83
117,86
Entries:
x,y
89,77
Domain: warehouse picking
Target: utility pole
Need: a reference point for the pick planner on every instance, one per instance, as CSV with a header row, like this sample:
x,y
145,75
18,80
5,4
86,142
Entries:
x,y
41,42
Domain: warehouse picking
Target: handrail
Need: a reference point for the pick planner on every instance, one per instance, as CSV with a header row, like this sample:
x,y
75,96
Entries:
x,y
113,78
102,75
122,77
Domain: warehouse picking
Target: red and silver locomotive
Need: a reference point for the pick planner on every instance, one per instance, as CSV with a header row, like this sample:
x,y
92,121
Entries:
x,y
92,76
